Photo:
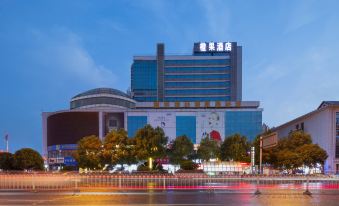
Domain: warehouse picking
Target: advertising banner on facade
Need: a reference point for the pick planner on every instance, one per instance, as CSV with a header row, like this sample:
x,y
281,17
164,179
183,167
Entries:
x,y
210,124
165,120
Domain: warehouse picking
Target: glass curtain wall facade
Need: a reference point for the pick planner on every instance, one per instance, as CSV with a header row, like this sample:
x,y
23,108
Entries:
x,y
144,80
203,76
246,123
197,80
135,123
197,124
186,125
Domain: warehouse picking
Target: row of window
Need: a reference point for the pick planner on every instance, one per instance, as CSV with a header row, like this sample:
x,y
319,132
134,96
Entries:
x,y
197,69
198,92
144,63
197,77
197,62
101,100
193,99
60,154
145,99
197,84
147,92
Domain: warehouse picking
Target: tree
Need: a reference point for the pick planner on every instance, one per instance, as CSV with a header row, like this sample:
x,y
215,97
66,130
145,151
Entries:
x,y
188,165
88,153
117,148
312,154
150,143
235,148
294,151
6,161
208,149
296,139
287,159
182,149
28,159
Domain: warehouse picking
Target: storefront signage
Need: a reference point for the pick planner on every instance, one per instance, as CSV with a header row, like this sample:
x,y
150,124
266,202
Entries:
x,y
213,47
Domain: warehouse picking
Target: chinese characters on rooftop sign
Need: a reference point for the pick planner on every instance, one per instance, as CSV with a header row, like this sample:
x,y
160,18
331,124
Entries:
x,y
213,47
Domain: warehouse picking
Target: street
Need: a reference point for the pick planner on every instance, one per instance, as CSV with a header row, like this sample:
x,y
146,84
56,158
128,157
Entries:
x,y
153,197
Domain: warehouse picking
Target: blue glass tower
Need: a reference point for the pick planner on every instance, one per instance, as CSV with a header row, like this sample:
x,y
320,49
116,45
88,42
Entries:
x,y
212,73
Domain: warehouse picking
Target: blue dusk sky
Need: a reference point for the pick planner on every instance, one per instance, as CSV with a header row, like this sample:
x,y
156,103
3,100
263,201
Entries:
x,y
53,50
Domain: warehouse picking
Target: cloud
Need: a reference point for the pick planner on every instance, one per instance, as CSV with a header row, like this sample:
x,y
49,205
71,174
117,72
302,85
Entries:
x,y
61,51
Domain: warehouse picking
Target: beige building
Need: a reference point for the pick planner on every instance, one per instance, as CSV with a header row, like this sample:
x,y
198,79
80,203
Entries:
x,y
323,125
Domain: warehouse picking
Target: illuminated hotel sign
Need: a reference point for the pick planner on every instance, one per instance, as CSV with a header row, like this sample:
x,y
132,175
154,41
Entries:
x,y
213,47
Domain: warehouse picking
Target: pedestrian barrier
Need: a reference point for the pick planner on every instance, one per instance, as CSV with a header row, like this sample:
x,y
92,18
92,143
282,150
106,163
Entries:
x,y
75,181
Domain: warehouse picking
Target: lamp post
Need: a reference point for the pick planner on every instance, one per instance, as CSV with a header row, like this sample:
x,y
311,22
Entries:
x,y
150,159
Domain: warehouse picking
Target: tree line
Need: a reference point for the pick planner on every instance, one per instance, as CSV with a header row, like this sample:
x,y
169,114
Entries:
x,y
23,159
294,151
116,148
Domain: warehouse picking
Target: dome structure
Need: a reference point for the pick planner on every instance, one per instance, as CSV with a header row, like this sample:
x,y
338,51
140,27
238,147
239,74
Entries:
x,y
100,97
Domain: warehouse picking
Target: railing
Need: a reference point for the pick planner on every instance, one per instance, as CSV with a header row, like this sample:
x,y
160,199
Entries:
x,y
74,181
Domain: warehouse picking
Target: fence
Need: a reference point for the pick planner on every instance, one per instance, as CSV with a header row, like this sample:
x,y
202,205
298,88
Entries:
x,y
73,181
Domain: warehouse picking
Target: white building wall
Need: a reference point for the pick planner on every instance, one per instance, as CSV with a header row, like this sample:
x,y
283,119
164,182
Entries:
x,y
321,126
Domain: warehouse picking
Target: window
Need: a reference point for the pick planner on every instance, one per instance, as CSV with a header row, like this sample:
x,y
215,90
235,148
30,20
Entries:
x,y
247,123
186,125
113,123
134,123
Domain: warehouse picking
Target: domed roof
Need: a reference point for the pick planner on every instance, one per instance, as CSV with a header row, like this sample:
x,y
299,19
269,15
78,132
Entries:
x,y
102,91
102,97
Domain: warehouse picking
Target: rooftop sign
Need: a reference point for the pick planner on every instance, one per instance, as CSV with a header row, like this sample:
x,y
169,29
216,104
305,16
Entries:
x,y
213,47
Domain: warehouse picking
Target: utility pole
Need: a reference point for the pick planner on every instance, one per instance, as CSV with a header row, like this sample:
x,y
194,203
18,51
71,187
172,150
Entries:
x,y
267,141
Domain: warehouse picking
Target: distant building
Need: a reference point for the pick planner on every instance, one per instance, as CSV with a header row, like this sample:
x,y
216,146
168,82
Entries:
x,y
197,96
323,125
212,73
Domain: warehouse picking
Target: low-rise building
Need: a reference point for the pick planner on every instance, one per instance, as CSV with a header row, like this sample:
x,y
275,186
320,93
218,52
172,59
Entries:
x,y
323,126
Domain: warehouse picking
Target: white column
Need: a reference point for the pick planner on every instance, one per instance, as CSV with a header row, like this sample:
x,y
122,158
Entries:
x,y
101,126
